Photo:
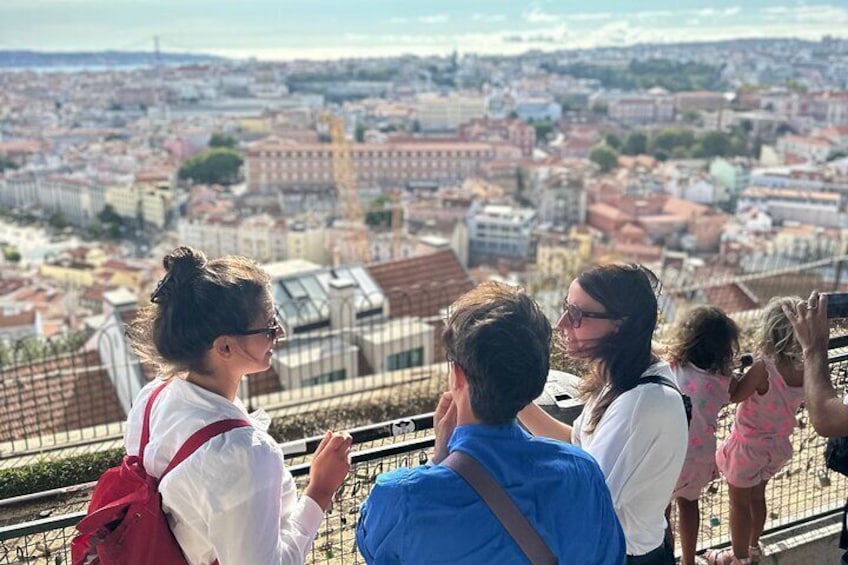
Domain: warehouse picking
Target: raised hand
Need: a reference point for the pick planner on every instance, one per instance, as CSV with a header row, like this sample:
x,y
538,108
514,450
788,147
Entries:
x,y
444,423
330,466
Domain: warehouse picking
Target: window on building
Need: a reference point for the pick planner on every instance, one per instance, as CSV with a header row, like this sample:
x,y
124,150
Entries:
x,y
405,359
330,377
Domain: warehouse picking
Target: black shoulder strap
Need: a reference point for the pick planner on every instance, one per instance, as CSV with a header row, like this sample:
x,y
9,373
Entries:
x,y
502,506
665,381
659,380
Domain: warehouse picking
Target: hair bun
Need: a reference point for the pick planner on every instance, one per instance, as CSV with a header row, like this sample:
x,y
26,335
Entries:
x,y
184,263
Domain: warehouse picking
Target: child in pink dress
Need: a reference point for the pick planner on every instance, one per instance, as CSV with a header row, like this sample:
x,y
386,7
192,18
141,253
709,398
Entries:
x,y
703,345
758,445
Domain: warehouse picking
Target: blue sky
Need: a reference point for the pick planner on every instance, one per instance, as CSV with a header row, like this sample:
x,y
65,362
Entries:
x,y
273,29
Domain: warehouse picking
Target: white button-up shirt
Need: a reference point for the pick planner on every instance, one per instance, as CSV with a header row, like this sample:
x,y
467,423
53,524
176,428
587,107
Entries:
x,y
232,499
640,444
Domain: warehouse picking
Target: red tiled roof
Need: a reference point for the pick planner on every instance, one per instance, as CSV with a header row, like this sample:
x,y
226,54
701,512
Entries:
x,y
422,286
23,319
55,394
10,285
684,208
730,298
608,211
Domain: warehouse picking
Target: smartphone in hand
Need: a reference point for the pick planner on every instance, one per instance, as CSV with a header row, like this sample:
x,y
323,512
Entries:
x,y
837,304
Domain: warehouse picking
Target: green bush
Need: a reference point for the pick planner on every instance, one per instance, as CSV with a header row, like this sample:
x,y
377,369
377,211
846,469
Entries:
x,y
56,473
48,474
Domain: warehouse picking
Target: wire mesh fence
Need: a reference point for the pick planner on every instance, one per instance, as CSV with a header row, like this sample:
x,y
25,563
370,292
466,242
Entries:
x,y
70,396
801,491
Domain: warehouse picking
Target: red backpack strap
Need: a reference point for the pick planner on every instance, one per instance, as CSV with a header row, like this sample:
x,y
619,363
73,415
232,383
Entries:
x,y
200,437
145,427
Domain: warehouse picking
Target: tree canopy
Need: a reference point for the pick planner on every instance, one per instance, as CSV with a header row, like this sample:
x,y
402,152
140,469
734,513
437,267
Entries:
x,y
605,157
219,139
674,76
216,166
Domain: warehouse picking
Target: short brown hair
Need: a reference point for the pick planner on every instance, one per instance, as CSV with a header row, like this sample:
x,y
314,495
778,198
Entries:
x,y
501,340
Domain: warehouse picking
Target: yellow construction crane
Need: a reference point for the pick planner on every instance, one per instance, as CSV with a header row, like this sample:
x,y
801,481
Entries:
x,y
397,224
356,245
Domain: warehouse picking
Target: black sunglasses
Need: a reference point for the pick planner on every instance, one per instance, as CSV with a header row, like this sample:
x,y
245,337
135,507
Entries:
x,y
272,332
575,315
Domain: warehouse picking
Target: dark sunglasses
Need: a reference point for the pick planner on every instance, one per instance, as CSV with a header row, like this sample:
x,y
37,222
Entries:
x,y
272,332
574,315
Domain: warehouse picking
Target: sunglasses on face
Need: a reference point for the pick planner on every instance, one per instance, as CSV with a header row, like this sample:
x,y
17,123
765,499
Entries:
x,y
574,315
273,332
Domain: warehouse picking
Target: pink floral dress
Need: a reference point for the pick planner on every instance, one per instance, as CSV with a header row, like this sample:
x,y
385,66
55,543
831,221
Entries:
x,y
758,445
709,394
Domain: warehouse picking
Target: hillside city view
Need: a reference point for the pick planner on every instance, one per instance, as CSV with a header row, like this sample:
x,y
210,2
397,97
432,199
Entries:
x,y
378,165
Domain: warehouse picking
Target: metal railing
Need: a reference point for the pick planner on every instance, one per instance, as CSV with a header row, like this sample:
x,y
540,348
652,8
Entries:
x,y
59,398
803,491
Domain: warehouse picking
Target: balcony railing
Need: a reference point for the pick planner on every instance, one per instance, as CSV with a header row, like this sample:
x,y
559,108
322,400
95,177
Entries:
x,y
59,398
803,491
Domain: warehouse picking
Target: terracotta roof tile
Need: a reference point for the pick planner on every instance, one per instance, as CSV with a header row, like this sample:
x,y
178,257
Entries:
x,y
730,298
422,286
23,319
56,394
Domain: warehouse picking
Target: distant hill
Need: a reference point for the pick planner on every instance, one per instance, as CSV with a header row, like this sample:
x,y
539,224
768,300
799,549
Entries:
x,y
96,59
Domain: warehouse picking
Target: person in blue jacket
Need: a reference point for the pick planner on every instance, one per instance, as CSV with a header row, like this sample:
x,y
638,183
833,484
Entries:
x,y
497,342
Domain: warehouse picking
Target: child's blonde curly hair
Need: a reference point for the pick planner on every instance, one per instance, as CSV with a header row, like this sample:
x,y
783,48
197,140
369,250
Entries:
x,y
774,334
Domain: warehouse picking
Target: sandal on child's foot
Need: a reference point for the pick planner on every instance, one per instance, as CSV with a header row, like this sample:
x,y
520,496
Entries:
x,y
756,553
725,557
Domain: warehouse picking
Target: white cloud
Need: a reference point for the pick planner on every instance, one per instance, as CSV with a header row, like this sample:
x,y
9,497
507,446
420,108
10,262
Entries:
x,y
434,19
776,10
488,18
590,16
705,13
833,15
619,32
653,14
537,16
824,14
549,32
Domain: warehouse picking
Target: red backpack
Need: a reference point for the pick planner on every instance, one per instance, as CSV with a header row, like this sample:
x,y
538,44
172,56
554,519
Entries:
x,y
125,523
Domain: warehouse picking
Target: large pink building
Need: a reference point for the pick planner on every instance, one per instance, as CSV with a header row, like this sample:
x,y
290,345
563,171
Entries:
x,y
282,163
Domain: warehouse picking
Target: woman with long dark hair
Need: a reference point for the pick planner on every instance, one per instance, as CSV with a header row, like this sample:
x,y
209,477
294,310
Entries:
x,y
635,429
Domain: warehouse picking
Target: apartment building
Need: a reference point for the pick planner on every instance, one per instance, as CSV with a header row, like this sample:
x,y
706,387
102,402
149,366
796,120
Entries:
x,y
446,113
513,131
275,164
561,255
654,106
19,189
733,175
699,101
501,231
151,201
815,207
830,108
538,109
79,199
815,149
559,195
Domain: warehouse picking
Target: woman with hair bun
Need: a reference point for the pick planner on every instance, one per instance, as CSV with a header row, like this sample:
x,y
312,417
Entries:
x,y
231,501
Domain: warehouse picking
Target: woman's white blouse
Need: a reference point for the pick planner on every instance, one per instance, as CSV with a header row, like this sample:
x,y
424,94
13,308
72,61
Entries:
x,y
640,444
232,500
